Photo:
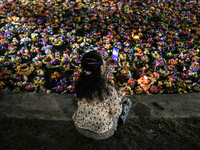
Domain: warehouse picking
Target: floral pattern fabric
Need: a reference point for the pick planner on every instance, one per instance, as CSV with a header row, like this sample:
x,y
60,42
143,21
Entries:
x,y
96,116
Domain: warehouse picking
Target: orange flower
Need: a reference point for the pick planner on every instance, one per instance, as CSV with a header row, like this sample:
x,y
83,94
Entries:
x,y
192,66
170,67
172,61
117,37
17,72
127,93
8,20
170,79
75,78
160,60
54,25
130,82
7,63
139,53
53,77
126,69
101,53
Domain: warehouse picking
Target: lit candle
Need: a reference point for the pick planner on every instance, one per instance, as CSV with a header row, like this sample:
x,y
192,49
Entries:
x,y
15,18
136,37
145,80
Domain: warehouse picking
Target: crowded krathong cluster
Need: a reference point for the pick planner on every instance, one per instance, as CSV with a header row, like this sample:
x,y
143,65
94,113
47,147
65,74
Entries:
x,y
42,43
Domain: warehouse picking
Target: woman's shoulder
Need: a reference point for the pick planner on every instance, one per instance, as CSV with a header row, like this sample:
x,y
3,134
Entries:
x,y
111,88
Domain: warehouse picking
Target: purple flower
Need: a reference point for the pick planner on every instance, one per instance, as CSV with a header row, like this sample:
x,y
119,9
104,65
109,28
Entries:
x,y
42,78
63,81
19,79
174,78
75,60
181,56
58,88
54,61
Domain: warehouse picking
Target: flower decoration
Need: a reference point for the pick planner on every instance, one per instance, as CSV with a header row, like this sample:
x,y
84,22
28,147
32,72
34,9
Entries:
x,y
182,85
65,65
29,87
155,75
54,61
171,68
169,54
156,55
121,80
139,90
63,82
153,89
19,78
24,69
195,87
55,76
130,86
193,52
37,81
11,50
194,68
180,90
15,59
2,60
111,79
6,75
145,58
57,42
2,85
168,86
40,72
75,76
75,61
160,63
153,39
59,89
51,61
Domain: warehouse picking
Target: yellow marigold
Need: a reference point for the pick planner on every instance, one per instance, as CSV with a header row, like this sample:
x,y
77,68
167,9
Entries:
x,y
180,90
17,89
159,83
1,60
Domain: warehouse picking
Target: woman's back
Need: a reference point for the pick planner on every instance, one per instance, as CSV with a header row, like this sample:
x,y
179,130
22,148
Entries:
x,y
97,115
98,102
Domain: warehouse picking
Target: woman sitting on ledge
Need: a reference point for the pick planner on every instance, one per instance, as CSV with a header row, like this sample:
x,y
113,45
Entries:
x,y
99,104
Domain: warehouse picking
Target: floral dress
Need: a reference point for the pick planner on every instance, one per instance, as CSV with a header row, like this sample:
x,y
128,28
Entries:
x,y
96,116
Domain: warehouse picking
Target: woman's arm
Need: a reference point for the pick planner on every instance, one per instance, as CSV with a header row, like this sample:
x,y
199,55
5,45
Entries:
x,y
120,89
115,107
109,67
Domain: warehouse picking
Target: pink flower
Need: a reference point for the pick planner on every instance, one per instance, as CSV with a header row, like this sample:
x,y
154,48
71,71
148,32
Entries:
x,y
183,75
29,87
154,89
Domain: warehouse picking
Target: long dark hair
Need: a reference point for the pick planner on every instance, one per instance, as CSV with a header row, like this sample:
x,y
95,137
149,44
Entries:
x,y
91,80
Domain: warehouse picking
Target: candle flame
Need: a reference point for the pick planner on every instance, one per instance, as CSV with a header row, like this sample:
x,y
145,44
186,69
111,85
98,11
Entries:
x,y
136,37
15,18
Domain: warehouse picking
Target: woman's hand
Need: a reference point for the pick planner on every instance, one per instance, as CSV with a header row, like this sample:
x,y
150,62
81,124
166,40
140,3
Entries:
x,y
110,61
120,88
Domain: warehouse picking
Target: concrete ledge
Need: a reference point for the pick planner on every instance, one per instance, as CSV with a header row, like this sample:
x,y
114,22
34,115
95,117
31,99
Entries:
x,y
62,107
34,105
